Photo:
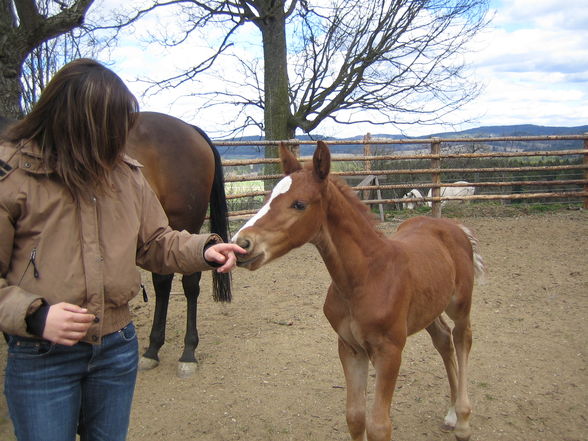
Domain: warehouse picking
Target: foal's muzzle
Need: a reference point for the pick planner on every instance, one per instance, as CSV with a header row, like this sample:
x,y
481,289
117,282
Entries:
x,y
252,260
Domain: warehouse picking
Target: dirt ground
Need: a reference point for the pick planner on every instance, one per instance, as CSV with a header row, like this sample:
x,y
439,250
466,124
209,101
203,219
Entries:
x,y
269,370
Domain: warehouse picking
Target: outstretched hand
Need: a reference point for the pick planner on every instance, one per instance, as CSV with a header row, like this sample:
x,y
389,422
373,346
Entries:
x,y
67,324
224,254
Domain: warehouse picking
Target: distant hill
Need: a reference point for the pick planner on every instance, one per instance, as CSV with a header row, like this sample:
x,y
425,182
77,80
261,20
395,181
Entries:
x,y
494,131
244,152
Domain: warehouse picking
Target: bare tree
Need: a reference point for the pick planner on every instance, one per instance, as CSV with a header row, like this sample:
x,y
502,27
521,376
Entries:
x,y
382,61
24,26
396,62
386,62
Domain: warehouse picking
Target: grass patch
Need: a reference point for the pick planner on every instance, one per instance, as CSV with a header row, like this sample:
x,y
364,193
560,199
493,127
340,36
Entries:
x,y
243,186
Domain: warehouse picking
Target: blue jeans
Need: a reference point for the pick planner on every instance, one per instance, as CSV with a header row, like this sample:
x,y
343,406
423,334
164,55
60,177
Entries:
x,y
54,391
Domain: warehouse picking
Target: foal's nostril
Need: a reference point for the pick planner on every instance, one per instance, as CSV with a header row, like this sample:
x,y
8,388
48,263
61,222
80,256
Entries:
x,y
244,243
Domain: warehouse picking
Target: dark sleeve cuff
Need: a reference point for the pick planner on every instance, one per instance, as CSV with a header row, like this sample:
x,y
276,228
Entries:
x,y
207,246
36,321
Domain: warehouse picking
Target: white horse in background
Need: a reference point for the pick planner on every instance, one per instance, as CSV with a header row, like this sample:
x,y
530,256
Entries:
x,y
413,194
465,190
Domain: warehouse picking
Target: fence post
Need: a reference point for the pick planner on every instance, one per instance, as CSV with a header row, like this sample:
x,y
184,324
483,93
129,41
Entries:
x,y
367,151
379,196
436,177
295,147
586,172
367,165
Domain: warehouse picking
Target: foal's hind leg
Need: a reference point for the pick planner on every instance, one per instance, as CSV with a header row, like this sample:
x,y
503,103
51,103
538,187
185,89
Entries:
x,y
442,340
462,337
187,365
162,286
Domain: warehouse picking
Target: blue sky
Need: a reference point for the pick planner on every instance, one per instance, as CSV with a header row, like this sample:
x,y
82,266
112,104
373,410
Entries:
x,y
532,61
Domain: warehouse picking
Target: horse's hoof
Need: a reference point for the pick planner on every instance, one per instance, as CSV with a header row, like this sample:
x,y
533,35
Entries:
x,y
186,369
463,437
462,432
146,364
447,428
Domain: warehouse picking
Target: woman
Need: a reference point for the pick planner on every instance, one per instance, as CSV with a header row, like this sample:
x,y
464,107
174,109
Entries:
x,y
76,217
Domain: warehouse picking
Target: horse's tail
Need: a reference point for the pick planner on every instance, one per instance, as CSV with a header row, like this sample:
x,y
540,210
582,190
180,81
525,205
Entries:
x,y
219,221
479,266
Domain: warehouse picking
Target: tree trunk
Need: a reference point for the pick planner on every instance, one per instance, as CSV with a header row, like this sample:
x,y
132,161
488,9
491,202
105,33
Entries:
x,y
277,116
10,88
11,59
23,28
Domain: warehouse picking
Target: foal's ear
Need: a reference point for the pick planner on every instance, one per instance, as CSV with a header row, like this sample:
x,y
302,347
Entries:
x,y
321,160
289,162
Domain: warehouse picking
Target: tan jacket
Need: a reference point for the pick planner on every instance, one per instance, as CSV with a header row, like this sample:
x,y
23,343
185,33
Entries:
x,y
84,254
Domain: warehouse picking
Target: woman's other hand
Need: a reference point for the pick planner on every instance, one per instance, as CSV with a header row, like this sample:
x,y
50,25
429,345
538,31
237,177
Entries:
x,y
67,324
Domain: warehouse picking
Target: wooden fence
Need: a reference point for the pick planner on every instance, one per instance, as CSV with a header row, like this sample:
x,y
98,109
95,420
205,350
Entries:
x,y
438,152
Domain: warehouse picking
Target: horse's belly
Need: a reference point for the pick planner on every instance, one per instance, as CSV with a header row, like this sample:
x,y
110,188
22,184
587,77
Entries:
x,y
424,309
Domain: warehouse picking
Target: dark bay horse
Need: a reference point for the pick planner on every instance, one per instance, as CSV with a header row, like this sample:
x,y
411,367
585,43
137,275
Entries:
x,y
382,289
184,169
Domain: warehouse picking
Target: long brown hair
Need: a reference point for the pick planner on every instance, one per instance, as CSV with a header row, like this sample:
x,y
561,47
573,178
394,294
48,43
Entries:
x,y
81,123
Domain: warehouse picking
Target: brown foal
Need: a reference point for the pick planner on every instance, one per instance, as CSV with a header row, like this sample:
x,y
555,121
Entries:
x,y
382,290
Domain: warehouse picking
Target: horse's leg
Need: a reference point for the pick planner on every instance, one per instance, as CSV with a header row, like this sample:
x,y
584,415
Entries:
x,y
187,365
355,367
442,340
386,358
462,338
162,286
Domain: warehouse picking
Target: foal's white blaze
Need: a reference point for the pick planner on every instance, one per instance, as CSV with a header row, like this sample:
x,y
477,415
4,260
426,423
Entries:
x,y
281,187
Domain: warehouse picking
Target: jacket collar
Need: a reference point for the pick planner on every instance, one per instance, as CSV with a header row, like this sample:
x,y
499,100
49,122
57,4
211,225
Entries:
x,y
31,159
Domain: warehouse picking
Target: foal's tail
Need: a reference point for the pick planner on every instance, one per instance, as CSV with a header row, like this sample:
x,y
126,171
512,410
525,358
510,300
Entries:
x,y
479,266
219,221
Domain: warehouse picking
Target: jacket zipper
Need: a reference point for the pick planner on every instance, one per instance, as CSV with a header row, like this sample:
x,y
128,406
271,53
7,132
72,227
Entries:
x,y
33,260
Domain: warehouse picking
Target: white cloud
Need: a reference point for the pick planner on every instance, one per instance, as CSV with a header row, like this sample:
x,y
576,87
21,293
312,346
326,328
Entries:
x,y
534,63
546,14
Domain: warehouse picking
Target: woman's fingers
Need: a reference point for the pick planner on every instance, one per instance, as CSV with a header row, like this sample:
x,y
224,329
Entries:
x,y
67,324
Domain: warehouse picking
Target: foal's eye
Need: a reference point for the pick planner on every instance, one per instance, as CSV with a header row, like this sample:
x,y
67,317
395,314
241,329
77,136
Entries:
x,y
299,205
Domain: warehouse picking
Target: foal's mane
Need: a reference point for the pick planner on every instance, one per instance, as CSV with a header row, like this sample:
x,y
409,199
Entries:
x,y
351,196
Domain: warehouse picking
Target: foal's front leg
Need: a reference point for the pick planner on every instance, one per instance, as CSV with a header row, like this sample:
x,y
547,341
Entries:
x,y
355,367
386,358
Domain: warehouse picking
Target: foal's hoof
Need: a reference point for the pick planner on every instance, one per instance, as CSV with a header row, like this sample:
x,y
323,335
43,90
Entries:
x,y
447,428
146,364
463,437
186,369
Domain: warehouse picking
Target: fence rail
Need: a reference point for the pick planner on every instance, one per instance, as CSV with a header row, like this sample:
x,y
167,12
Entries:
x,y
574,187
